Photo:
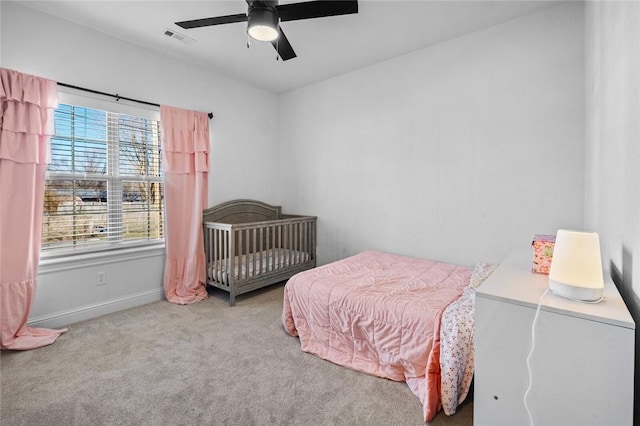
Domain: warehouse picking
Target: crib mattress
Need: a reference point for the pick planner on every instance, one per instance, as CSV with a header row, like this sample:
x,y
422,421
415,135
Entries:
x,y
254,264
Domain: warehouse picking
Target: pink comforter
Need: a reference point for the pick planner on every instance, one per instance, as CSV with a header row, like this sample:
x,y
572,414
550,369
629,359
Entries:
x,y
378,313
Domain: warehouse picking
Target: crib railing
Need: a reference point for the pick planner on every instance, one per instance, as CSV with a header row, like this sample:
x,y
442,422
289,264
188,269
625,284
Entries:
x,y
245,252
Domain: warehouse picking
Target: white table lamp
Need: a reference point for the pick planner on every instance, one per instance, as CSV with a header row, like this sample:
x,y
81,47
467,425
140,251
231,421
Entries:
x,y
576,266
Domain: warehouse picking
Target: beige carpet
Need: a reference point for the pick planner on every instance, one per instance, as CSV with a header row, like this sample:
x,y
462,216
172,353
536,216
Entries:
x,y
202,364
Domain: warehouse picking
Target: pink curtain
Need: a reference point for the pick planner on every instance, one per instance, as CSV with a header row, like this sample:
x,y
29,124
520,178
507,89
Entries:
x,y
185,148
26,124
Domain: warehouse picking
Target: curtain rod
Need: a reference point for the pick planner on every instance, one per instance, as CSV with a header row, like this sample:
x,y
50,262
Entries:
x,y
118,97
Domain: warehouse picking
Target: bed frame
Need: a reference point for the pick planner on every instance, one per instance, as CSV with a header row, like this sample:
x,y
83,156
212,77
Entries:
x,y
249,244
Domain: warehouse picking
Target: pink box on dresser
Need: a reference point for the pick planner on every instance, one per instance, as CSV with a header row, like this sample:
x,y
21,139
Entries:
x,y
542,253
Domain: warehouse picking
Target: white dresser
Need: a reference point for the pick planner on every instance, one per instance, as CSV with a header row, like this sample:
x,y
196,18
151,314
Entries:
x,y
582,364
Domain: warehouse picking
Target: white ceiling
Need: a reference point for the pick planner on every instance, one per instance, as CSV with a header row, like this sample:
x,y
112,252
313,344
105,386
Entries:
x,y
326,47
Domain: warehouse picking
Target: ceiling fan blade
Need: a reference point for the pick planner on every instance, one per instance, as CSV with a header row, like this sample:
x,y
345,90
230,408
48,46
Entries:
x,y
283,47
316,9
216,20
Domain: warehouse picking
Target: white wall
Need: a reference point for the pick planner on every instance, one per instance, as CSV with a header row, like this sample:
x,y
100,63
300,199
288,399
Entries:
x,y
612,44
39,44
458,152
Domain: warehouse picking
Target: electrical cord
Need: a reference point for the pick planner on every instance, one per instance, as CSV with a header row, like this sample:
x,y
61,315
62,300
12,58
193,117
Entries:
x,y
533,343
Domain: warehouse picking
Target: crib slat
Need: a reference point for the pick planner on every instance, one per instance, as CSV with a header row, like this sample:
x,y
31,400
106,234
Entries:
x,y
225,262
289,243
207,248
254,251
217,255
280,243
285,238
269,247
215,243
296,243
247,254
300,238
261,248
212,255
247,250
300,244
238,257
252,262
310,243
276,247
293,235
273,247
305,247
238,238
221,258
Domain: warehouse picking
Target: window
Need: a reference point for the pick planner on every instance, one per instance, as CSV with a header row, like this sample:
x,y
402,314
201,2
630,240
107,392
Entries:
x,y
103,186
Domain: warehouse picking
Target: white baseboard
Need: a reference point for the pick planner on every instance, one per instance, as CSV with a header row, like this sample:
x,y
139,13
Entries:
x,y
64,318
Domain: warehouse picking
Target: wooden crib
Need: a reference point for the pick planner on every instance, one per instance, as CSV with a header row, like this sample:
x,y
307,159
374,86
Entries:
x,y
249,244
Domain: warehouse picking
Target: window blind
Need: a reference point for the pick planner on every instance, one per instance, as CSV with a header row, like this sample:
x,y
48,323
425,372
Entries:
x,y
103,186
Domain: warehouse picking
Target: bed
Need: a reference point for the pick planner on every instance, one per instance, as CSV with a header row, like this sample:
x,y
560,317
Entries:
x,y
397,317
250,244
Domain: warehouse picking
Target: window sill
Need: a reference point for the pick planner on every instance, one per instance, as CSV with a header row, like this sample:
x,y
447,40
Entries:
x,y
74,261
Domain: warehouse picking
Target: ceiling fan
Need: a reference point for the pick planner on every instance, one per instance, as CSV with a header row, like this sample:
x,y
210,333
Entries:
x,y
264,16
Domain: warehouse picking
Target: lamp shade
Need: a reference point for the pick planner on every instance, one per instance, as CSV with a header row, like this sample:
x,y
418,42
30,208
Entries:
x,y
576,267
262,24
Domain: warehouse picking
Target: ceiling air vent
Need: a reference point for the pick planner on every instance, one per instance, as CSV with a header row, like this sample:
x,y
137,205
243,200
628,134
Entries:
x,y
180,37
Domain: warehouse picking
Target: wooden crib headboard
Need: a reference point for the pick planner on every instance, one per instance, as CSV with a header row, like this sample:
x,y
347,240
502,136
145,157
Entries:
x,y
241,211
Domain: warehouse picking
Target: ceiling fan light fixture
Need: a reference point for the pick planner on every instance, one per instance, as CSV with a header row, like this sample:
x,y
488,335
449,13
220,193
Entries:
x,y
262,24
